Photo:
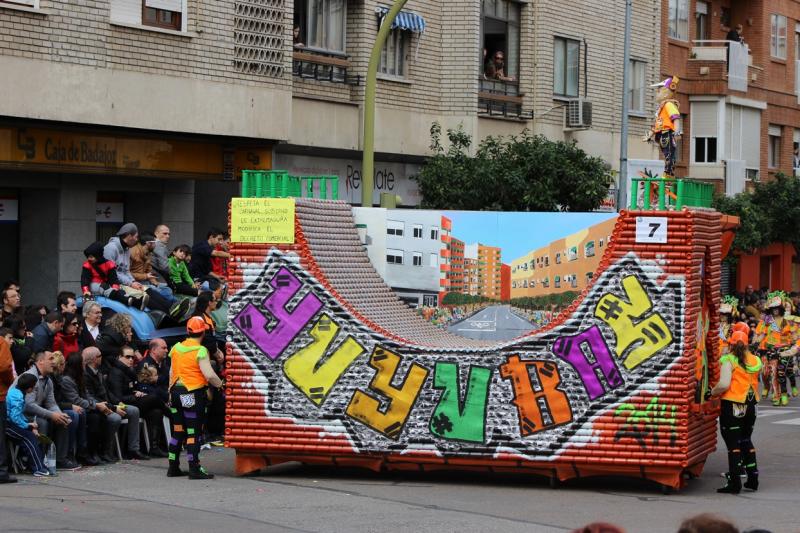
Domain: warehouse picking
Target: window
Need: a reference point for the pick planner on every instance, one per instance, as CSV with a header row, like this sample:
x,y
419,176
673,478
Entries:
x,y
777,43
558,258
433,260
566,67
416,259
725,16
752,174
705,149
501,36
774,148
417,231
701,21
393,55
588,249
434,233
636,89
394,257
394,227
162,14
679,19
322,24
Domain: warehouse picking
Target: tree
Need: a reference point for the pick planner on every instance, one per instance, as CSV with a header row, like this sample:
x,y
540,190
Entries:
x,y
518,173
771,213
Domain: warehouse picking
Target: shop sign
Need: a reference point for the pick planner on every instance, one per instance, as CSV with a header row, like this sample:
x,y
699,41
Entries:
x,y
110,212
9,209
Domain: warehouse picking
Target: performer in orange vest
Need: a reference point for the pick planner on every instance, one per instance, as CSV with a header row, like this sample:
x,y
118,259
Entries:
x,y
189,378
738,387
667,125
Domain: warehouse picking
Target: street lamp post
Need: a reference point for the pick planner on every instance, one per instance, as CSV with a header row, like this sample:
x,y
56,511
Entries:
x,y
368,161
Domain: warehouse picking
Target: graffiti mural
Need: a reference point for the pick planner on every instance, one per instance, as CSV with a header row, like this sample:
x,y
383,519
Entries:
x,y
315,363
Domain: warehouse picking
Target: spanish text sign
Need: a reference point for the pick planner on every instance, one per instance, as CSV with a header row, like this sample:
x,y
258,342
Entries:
x,y
262,220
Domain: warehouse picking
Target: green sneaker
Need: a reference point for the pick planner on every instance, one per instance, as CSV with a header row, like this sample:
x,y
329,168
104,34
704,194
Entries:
x,y
784,399
794,391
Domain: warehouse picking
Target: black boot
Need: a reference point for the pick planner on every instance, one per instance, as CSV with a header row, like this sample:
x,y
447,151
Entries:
x,y
174,469
733,484
198,472
752,480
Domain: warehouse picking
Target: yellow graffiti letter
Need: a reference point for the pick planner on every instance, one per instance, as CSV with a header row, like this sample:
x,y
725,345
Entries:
x,y
367,409
306,369
632,325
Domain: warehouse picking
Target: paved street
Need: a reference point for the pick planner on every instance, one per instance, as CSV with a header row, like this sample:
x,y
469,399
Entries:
x,y
495,323
138,497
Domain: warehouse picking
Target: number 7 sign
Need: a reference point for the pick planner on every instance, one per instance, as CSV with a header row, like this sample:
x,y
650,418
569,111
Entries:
x,y
651,230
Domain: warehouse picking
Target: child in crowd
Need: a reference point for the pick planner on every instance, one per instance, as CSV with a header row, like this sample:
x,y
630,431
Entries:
x,y
99,276
179,271
147,379
20,429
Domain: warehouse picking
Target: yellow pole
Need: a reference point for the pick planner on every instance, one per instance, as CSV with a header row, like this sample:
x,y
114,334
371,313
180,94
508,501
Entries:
x,y
368,162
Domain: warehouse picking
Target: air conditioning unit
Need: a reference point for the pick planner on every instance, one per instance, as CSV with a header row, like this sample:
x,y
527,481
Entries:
x,y
579,114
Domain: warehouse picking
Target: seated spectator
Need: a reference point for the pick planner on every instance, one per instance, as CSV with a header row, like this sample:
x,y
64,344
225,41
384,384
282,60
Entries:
x,y
22,430
156,357
92,318
7,378
21,345
45,333
117,333
34,315
142,268
99,276
118,250
41,403
11,302
202,252
73,391
97,392
65,302
66,340
77,435
706,523
179,272
161,252
219,264
121,389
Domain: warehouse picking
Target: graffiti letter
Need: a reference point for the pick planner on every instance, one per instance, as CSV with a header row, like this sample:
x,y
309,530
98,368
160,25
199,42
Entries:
x,y
654,420
571,349
632,327
306,369
452,421
389,419
253,323
544,407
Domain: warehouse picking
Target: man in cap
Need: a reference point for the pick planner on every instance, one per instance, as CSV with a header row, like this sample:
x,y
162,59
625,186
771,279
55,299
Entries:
x,y
667,125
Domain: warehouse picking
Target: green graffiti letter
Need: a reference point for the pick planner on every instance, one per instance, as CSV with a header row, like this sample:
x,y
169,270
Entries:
x,y
456,421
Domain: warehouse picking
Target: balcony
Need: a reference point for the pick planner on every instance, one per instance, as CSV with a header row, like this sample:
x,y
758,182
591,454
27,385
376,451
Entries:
x,y
498,98
308,64
714,60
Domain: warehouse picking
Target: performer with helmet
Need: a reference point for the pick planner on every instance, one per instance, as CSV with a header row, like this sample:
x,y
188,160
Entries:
x,y
774,334
738,388
190,376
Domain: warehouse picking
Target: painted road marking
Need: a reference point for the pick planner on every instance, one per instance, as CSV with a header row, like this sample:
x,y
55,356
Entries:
x,y
791,422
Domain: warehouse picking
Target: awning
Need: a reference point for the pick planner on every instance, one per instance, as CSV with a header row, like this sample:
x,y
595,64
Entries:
x,y
405,20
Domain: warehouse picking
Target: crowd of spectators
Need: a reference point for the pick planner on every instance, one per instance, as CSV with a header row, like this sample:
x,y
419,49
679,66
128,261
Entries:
x,y
78,379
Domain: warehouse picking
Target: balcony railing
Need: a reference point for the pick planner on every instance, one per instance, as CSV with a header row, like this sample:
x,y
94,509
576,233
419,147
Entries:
x,y
669,193
501,98
322,67
736,56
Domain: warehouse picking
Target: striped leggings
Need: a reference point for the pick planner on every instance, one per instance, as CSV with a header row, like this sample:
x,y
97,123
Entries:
x,y
29,444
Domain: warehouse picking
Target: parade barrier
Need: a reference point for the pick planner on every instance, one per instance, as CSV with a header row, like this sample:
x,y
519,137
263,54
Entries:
x,y
326,366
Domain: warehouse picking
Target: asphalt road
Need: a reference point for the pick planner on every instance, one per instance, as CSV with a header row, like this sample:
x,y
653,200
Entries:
x,y
495,323
136,496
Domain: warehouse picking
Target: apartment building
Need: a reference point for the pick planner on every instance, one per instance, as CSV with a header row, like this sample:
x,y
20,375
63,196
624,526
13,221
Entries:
x,y
147,110
566,264
408,248
740,102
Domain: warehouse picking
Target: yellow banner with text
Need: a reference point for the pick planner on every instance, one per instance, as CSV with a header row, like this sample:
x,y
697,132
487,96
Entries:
x,y
262,220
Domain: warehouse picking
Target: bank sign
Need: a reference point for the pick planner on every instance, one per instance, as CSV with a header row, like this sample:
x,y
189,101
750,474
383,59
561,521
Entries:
x,y
394,178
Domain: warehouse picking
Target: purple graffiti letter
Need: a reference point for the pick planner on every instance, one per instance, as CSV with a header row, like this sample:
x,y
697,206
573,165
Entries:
x,y
570,349
253,323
